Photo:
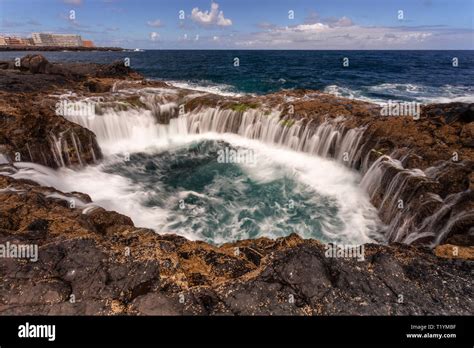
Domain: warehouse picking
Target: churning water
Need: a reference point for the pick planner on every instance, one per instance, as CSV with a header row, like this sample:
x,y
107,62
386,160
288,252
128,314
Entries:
x,y
174,178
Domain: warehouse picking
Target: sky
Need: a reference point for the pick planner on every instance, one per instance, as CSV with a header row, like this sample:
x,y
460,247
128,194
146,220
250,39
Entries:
x,y
249,24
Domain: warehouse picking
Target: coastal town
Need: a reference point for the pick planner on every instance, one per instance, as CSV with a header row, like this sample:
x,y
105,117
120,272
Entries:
x,y
45,40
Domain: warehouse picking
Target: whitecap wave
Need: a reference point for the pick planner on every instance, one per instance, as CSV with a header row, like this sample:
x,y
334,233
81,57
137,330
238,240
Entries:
x,y
379,94
208,87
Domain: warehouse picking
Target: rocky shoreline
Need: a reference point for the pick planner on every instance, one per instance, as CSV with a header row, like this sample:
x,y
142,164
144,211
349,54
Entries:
x,y
57,49
100,263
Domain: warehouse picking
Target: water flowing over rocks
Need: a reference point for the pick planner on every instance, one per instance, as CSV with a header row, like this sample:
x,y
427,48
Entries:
x,y
418,173
32,132
30,128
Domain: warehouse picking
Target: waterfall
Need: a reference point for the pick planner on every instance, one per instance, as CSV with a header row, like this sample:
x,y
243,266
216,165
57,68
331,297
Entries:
x,y
56,149
329,139
412,213
405,203
66,147
125,131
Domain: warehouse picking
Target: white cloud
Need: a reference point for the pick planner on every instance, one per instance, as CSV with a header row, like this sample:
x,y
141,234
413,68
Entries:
x,y
210,18
155,24
315,27
154,36
336,33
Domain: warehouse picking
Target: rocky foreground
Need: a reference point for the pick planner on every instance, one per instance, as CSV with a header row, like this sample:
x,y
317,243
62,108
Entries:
x,y
100,263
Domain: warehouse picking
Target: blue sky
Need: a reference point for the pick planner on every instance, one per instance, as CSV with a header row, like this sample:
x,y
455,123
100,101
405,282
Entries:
x,y
250,24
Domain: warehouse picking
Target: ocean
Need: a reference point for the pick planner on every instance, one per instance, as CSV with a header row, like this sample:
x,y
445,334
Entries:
x,y
377,76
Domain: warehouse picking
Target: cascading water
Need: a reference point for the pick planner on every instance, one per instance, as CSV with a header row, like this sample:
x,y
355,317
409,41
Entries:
x,y
167,177
137,130
117,131
412,212
326,140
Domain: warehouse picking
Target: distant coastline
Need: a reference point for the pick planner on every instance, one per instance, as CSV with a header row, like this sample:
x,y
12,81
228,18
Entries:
x,y
57,48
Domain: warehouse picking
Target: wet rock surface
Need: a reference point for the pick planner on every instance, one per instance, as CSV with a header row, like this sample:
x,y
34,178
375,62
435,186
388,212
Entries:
x,y
30,131
34,72
97,262
30,127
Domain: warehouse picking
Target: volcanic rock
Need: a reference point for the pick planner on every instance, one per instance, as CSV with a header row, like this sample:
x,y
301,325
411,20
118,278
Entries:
x,y
35,64
130,270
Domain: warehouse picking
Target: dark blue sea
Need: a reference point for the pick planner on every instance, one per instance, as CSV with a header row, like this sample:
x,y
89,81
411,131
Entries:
x,y
424,76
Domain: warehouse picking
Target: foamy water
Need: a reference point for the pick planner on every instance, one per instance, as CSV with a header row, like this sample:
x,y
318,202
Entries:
x,y
357,217
150,170
379,94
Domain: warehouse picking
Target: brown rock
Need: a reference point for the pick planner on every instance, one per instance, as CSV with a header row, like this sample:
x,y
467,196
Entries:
x,y
35,64
169,275
467,135
104,220
455,252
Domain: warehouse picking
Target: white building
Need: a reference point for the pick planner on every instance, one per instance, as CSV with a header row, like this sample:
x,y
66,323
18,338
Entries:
x,y
62,40
37,39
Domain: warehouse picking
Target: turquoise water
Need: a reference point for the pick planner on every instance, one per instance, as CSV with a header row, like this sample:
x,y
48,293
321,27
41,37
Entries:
x,y
223,201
